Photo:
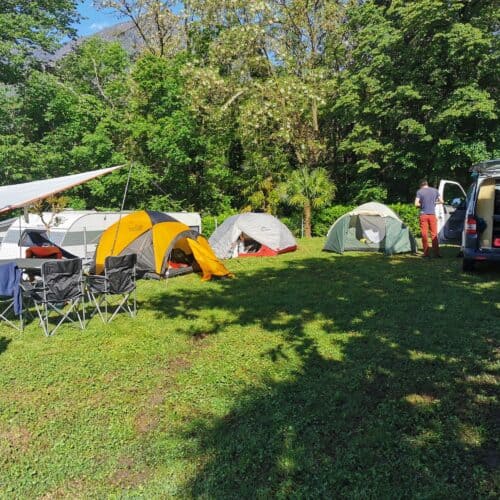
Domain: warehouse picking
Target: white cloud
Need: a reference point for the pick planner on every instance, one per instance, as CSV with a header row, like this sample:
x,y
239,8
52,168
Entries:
x,y
99,26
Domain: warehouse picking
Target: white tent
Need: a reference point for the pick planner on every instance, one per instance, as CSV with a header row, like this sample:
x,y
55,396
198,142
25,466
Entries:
x,y
252,235
21,195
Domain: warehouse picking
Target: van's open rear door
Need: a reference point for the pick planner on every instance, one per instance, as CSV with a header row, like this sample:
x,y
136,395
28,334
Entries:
x,y
451,214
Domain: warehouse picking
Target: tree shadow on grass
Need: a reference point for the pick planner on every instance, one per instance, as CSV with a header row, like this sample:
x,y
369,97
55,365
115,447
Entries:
x,y
407,409
4,342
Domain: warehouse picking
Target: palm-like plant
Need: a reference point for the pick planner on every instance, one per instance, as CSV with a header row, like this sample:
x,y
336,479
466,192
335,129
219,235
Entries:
x,y
308,189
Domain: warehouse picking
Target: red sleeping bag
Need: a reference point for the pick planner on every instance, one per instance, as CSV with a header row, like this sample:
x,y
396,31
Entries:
x,y
43,253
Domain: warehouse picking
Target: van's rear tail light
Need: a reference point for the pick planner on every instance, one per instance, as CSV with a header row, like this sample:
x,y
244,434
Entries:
x,y
471,226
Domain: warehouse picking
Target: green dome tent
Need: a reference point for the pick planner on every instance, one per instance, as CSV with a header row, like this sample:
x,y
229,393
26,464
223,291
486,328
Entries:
x,y
370,227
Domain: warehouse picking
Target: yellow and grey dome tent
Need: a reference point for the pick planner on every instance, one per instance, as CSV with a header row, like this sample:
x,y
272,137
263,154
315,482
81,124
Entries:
x,y
154,237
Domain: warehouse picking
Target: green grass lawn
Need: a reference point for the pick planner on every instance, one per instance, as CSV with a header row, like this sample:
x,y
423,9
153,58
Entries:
x,y
308,375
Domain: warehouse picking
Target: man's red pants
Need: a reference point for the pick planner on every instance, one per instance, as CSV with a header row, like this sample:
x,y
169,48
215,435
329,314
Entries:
x,y
429,222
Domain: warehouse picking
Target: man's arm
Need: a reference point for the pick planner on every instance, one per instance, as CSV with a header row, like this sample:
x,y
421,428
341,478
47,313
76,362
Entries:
x,y
417,202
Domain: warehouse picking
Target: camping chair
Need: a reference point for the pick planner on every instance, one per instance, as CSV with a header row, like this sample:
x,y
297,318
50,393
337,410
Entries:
x,y
60,291
11,303
119,279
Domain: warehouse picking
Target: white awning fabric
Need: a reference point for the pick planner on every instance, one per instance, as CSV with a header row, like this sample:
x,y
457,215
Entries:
x,y
21,195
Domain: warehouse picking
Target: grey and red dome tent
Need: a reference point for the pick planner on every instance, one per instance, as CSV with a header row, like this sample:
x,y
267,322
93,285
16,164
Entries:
x,y
252,235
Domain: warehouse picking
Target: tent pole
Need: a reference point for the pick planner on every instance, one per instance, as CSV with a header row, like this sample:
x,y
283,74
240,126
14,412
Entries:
x,y
19,242
121,208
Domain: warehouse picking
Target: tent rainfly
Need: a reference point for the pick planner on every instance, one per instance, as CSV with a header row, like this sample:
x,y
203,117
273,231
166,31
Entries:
x,y
252,235
370,227
164,246
21,195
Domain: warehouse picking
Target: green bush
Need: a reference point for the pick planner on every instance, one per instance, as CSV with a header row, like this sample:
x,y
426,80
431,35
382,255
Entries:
x,y
293,222
210,222
409,215
322,219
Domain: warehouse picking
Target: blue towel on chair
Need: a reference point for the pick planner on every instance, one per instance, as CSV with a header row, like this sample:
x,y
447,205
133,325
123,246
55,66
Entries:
x,y
10,279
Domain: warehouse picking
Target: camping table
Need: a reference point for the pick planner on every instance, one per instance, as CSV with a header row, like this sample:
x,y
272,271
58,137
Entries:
x,y
27,264
36,264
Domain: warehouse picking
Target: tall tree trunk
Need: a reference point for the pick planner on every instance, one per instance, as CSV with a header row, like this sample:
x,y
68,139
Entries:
x,y
307,219
314,109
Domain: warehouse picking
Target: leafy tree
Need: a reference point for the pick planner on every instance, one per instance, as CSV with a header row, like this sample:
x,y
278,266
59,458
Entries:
x,y
262,173
98,68
233,103
159,28
418,94
63,124
264,68
27,28
168,136
308,189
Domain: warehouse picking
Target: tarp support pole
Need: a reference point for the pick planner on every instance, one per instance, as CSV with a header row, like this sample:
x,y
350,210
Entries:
x,y
121,209
19,241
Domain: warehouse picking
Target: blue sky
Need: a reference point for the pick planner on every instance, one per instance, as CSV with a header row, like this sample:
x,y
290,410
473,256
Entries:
x,y
96,20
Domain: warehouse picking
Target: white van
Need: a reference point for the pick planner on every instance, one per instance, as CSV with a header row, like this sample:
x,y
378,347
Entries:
x,y
473,219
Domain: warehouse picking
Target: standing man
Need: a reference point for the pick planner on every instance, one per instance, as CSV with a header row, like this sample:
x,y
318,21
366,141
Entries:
x,y
426,200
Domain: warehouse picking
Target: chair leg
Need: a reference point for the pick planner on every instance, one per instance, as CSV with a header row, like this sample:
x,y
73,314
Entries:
x,y
97,301
67,315
83,311
120,306
44,310
4,316
42,314
105,309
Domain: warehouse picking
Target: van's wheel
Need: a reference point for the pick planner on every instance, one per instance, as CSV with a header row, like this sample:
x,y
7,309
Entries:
x,y
468,265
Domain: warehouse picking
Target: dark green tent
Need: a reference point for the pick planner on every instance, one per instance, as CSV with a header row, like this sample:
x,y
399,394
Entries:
x,y
370,227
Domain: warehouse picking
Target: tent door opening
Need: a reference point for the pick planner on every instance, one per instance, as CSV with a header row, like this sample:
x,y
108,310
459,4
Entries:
x,y
181,260
247,245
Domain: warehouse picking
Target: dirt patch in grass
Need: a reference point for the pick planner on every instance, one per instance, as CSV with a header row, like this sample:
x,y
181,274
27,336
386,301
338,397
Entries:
x,y
74,489
127,476
178,364
110,377
197,337
148,419
17,438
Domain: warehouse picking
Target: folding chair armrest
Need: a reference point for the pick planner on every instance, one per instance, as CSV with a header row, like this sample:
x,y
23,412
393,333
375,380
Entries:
x,y
27,286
